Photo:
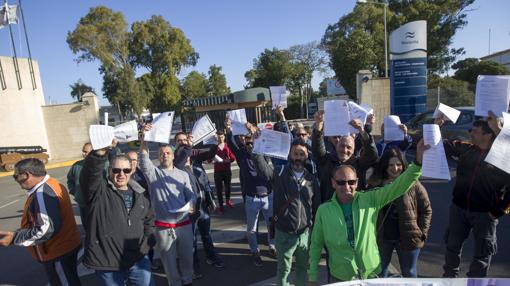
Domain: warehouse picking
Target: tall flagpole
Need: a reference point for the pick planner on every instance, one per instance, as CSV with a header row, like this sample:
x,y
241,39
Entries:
x,y
30,65
15,58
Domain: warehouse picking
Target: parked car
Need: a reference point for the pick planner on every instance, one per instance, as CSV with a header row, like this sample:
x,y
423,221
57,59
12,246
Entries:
x,y
457,131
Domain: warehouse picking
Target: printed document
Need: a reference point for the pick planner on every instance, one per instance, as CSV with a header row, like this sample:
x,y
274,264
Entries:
x,y
434,163
203,129
392,131
126,132
238,120
450,113
336,118
492,93
161,128
101,136
279,96
499,154
273,144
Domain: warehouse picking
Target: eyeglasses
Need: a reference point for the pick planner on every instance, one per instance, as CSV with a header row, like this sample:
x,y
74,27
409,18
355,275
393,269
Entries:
x,y
302,134
118,170
343,183
16,176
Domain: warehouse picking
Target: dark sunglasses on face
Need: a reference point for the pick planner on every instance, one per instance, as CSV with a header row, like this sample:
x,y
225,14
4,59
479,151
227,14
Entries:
x,y
16,176
302,134
343,183
118,170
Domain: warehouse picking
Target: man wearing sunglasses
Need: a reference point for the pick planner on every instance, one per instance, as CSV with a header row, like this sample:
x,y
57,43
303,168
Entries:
x,y
120,221
48,229
346,224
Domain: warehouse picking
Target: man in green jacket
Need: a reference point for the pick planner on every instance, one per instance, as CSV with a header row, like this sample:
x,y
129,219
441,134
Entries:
x,y
73,181
346,224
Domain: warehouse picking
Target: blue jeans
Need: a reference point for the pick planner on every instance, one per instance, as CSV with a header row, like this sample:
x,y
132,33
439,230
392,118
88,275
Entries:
x,y
202,225
253,206
462,223
139,275
407,259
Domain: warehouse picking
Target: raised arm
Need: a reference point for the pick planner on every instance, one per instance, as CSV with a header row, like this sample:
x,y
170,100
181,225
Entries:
x,y
91,176
368,156
318,146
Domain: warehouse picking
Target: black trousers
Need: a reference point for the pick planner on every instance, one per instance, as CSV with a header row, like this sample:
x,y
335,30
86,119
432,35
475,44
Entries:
x,y
63,270
222,182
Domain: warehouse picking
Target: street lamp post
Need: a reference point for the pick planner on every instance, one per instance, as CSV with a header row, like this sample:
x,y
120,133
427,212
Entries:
x,y
385,5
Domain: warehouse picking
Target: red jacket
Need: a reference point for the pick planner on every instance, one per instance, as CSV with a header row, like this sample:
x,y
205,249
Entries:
x,y
226,153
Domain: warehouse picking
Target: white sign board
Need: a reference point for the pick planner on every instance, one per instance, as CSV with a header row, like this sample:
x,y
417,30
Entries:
x,y
409,37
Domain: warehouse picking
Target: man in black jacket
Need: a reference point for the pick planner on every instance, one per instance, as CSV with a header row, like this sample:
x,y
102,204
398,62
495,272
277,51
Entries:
x,y
345,154
296,197
119,222
479,199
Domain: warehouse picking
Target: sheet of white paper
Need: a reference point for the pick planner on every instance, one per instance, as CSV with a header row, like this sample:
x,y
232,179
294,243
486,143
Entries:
x,y
106,118
392,131
126,132
217,159
369,109
184,209
492,93
161,128
450,113
500,150
202,129
279,96
273,144
358,112
238,120
211,140
101,136
336,118
434,163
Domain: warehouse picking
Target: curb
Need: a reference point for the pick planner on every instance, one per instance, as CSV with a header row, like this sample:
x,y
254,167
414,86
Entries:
x,y
48,167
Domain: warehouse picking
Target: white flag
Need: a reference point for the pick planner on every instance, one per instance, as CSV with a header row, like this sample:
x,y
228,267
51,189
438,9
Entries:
x,y
8,15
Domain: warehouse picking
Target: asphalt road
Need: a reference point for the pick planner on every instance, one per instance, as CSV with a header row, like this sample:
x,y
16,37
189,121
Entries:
x,y
18,267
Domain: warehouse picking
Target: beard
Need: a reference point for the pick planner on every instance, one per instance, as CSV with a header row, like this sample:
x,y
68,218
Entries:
x,y
298,164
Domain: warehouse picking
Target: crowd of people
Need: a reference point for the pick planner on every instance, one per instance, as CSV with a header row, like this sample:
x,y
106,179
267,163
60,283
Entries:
x,y
347,198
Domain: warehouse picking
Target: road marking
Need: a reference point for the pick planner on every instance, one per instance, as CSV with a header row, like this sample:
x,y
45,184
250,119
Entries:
x,y
8,204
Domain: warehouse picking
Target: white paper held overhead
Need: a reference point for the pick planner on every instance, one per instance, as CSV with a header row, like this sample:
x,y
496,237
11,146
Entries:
x,y
101,136
203,129
238,119
161,128
492,94
392,131
126,132
450,113
273,144
336,118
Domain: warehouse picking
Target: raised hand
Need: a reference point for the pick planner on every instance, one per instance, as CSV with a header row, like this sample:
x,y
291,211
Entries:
x,y
319,120
420,148
494,123
358,124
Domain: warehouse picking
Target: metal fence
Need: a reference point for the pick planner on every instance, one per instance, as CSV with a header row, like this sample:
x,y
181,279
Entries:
x,y
253,114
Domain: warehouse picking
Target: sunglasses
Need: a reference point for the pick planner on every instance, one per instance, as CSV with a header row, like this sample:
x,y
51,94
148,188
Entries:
x,y
302,134
118,170
343,183
16,176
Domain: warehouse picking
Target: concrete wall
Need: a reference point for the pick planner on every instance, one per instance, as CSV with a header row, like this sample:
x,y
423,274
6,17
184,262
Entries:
x,y
22,121
67,126
375,93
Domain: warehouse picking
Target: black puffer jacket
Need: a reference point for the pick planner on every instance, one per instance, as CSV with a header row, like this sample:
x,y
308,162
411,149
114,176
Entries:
x,y
116,239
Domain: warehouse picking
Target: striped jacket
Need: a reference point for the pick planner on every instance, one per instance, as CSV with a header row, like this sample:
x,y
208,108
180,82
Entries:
x,y
48,227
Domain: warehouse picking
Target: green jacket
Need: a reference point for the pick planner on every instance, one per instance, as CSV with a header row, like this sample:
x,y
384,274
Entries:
x,y
73,182
330,230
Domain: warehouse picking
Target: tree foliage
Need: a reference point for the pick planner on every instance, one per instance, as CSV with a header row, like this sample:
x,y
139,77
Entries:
x,y
217,82
356,41
194,85
469,69
153,46
271,68
453,92
78,89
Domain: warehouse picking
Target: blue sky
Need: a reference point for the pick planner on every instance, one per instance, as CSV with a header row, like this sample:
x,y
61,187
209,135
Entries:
x,y
228,33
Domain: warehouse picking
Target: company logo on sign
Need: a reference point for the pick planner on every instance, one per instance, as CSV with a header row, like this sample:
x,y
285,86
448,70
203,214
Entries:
x,y
409,37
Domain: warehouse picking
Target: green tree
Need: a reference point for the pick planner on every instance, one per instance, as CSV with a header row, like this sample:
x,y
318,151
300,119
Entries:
x,y
194,85
356,41
217,82
164,51
271,68
452,92
78,89
469,69
153,45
